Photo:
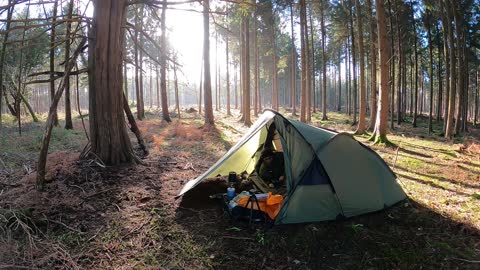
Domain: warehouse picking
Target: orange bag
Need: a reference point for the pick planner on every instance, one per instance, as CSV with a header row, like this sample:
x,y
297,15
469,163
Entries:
x,y
271,205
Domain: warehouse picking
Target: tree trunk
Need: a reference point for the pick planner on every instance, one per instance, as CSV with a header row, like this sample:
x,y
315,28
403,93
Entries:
x,y
308,72
137,69
52,58
380,131
200,90
392,66
312,64
175,81
133,126
339,103
68,103
453,77
400,66
274,66
303,95
293,55
207,84
163,64
227,56
245,41
2,53
256,95
29,108
324,63
415,105
363,87
475,106
373,67
430,50
354,65
42,158
108,134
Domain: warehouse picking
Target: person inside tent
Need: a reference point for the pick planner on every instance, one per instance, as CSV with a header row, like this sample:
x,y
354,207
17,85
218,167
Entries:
x,y
271,168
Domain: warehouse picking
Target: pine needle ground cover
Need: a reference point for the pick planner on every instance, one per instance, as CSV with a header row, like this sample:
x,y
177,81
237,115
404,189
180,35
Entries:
x,y
126,217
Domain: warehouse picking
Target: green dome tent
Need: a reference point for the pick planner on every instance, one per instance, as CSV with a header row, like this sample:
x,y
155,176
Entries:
x,y
329,175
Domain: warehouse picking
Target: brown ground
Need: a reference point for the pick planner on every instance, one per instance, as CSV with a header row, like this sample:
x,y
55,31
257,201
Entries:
x,y
127,217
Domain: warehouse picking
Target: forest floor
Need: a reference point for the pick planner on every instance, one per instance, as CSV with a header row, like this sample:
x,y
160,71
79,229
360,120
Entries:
x,y
127,217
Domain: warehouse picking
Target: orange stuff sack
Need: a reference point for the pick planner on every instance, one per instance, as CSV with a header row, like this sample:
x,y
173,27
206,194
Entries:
x,y
271,205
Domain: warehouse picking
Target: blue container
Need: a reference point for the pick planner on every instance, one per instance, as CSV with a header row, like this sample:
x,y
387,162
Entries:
x,y
231,192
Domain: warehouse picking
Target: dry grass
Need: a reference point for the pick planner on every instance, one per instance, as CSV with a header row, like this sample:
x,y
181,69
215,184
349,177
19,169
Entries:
x,y
127,217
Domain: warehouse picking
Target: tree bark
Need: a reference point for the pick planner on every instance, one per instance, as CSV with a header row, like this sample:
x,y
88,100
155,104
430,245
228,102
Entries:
x,y
354,65
207,84
227,64
363,88
380,131
430,50
324,63
108,133
52,58
163,64
303,95
246,70
293,56
415,105
68,103
373,67
453,77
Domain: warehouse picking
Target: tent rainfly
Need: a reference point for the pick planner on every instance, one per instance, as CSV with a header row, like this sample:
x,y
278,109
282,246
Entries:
x,y
329,175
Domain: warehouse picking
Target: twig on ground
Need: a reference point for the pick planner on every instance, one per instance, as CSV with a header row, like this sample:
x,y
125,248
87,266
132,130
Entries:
x,y
463,260
100,192
95,235
237,237
13,266
64,225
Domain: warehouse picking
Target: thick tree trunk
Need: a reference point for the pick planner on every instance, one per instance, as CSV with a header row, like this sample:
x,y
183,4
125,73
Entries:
x,y
68,103
108,134
447,65
363,87
380,131
207,84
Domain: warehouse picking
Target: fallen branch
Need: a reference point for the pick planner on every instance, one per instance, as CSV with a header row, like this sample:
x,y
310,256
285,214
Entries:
x,y
64,225
463,260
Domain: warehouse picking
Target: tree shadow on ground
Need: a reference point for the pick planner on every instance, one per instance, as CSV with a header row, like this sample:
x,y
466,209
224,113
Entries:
x,y
406,236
